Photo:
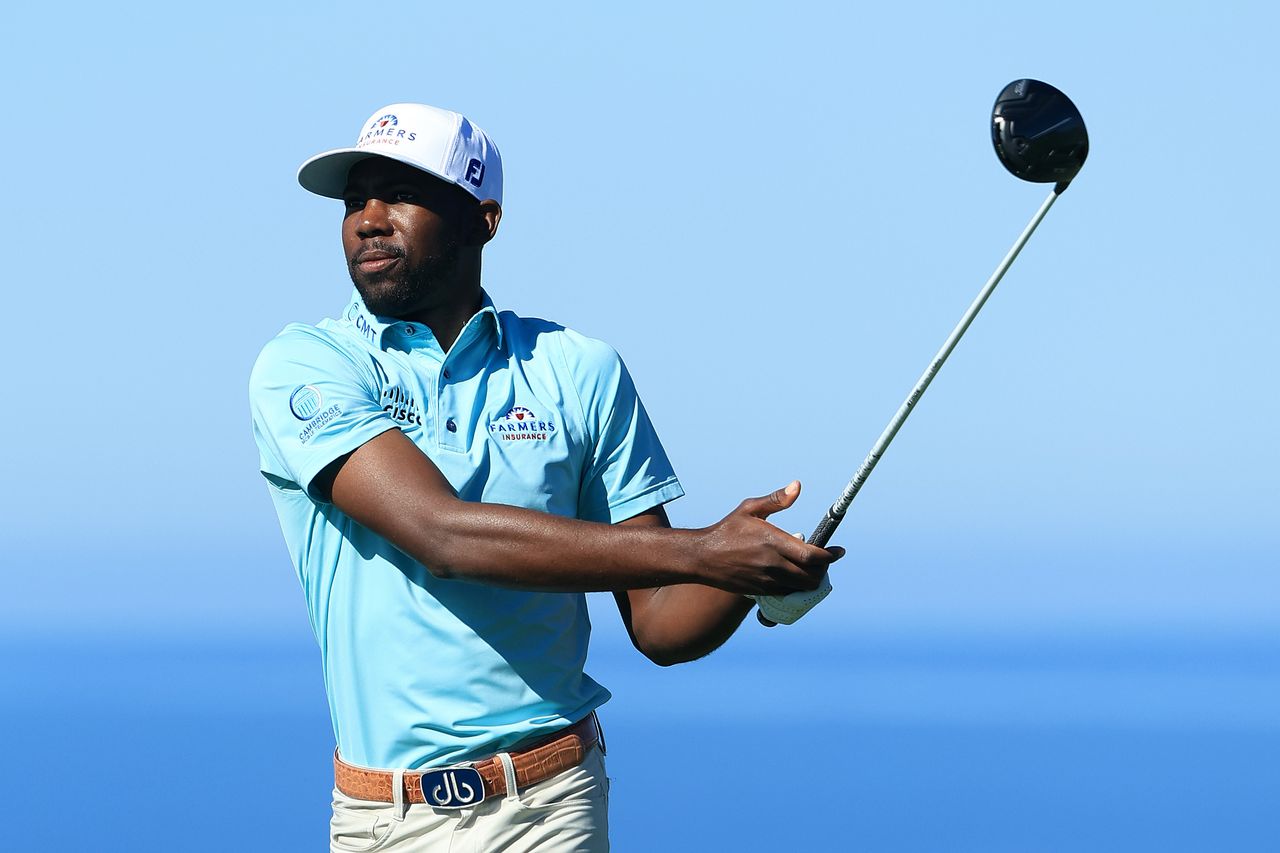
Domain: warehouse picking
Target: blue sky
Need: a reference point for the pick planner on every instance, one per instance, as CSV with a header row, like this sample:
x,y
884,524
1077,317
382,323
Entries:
x,y
775,213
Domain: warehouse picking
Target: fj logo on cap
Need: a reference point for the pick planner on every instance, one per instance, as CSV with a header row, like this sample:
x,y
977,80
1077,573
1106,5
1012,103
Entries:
x,y
475,172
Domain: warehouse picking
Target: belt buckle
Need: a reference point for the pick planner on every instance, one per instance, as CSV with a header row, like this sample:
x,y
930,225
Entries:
x,y
453,787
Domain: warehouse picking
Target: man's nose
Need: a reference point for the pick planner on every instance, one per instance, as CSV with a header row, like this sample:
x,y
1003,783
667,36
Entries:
x,y
374,221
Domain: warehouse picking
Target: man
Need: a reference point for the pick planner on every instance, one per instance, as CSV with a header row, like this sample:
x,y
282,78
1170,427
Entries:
x,y
450,480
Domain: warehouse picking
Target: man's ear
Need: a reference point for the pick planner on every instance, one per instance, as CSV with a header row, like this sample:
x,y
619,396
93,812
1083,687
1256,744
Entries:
x,y
487,223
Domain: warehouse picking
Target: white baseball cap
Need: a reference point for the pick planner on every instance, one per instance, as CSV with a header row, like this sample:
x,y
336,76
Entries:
x,y
440,142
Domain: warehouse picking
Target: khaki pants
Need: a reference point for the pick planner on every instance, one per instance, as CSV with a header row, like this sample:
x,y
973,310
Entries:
x,y
568,812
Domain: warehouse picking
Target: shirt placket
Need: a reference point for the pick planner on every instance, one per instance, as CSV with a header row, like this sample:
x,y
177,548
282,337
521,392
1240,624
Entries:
x,y
427,356
449,429
451,392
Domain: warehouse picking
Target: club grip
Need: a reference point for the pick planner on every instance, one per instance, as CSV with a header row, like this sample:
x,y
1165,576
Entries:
x,y
822,533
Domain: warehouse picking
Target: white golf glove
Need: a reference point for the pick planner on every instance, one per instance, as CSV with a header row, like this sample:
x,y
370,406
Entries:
x,y
786,609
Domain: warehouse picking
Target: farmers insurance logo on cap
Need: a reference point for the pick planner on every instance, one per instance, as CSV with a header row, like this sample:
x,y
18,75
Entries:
x,y
521,424
386,129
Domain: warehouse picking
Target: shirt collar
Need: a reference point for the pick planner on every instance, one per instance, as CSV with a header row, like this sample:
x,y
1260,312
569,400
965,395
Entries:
x,y
372,326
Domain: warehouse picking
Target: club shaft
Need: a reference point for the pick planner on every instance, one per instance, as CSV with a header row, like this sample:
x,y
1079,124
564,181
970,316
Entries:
x,y
822,533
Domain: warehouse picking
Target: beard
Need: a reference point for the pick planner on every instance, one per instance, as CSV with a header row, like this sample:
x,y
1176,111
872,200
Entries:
x,y
404,289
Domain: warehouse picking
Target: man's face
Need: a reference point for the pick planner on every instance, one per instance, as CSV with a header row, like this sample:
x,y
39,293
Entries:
x,y
402,234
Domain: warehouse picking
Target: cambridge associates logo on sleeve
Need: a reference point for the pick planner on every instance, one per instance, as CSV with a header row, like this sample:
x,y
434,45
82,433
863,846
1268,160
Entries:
x,y
307,405
521,424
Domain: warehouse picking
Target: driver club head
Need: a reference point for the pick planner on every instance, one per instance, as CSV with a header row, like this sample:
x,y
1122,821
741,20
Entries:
x,y
1038,133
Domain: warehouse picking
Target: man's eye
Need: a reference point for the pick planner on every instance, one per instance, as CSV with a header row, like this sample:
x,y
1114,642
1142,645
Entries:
x,y
406,196
353,203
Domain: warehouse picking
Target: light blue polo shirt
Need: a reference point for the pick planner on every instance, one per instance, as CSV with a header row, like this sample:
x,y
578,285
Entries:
x,y
422,671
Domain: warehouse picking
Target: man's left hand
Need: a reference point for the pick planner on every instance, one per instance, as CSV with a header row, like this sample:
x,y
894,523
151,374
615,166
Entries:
x,y
787,609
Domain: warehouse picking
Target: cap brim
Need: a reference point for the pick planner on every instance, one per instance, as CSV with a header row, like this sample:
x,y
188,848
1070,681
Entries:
x,y
326,174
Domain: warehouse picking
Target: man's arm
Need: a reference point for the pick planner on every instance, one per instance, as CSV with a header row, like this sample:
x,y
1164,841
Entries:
x,y
392,488
675,624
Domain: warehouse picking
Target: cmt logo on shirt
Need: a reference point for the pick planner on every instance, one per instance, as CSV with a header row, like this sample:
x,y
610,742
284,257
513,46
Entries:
x,y
362,323
521,424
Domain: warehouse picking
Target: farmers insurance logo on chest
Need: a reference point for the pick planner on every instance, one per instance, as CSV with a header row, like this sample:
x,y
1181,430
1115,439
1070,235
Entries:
x,y
521,424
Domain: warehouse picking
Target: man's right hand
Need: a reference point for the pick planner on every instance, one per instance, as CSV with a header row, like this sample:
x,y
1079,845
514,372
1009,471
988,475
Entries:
x,y
745,554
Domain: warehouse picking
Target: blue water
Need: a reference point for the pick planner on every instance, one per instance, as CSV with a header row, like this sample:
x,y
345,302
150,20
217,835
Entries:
x,y
1057,742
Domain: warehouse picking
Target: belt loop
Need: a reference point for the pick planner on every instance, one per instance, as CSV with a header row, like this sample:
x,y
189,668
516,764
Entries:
x,y
398,809
509,772
604,750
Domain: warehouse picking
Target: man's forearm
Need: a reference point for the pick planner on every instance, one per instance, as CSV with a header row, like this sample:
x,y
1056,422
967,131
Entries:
x,y
390,487
509,546
685,622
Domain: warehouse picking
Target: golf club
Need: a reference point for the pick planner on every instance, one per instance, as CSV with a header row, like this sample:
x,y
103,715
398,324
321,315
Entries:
x,y
1039,136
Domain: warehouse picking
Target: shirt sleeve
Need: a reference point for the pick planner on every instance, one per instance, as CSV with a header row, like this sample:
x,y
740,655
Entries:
x,y
627,471
312,402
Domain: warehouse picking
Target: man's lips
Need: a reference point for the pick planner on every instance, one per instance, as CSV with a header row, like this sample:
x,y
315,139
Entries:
x,y
375,260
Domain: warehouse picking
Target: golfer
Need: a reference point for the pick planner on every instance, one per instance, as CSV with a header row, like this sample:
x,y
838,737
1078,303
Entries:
x,y
450,479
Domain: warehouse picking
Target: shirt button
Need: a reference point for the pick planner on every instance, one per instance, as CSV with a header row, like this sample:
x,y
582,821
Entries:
x,y
450,425
409,330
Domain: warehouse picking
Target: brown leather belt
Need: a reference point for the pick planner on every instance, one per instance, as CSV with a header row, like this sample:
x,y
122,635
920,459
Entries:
x,y
539,761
